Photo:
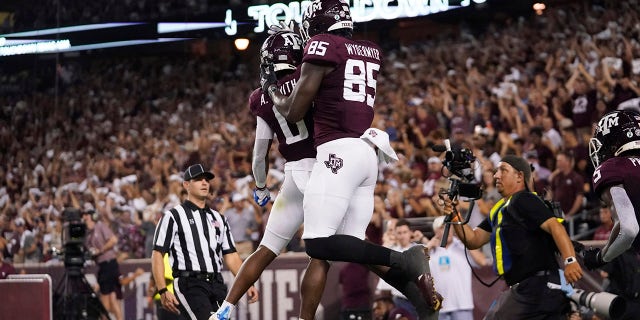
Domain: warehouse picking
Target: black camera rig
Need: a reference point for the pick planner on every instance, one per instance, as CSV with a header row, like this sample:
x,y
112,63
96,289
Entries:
x,y
75,232
459,163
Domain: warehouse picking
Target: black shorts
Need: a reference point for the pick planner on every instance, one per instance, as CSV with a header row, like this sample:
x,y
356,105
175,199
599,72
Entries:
x,y
199,298
108,276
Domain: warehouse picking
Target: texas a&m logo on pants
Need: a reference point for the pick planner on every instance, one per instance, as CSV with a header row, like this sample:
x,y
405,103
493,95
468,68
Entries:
x,y
334,163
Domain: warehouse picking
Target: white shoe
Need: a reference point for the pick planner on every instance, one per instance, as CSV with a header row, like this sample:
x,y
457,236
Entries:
x,y
221,314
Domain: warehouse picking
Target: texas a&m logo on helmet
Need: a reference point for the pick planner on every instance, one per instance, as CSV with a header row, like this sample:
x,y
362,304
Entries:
x,y
616,132
283,49
325,15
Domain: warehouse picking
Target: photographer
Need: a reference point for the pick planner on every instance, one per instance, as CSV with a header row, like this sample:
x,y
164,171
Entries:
x,y
524,236
101,242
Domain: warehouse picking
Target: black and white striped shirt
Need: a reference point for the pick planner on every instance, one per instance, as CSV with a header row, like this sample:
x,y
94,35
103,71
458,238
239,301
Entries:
x,y
195,238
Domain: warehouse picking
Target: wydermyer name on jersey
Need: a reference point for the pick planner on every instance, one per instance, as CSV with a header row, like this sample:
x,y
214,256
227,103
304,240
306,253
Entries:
x,y
363,51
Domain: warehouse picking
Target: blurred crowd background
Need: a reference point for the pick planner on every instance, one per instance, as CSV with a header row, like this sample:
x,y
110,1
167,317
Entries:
x,y
114,133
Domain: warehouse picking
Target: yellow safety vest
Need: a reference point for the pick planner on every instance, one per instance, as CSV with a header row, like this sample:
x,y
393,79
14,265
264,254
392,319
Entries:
x,y
500,253
168,276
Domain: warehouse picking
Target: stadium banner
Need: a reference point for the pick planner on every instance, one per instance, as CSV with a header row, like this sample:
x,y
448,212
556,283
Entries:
x,y
279,288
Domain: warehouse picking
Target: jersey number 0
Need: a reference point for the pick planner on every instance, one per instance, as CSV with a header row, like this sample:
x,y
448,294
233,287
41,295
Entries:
x,y
303,133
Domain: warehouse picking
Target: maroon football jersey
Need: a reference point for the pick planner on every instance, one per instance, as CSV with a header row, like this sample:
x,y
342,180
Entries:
x,y
344,103
295,140
623,171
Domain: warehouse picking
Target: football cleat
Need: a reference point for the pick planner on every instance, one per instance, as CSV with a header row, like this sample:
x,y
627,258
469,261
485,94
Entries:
x,y
222,314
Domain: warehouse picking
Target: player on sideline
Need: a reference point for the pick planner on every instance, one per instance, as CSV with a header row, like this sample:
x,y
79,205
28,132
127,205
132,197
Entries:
x,y
615,153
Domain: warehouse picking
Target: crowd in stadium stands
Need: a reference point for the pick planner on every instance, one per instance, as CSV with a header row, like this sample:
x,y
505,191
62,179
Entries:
x,y
121,131
42,14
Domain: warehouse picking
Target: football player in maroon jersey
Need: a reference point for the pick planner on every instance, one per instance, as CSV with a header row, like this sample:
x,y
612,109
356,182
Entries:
x,y
338,76
615,153
295,143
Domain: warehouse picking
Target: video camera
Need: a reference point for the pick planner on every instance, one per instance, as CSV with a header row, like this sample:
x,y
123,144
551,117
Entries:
x,y
74,235
459,163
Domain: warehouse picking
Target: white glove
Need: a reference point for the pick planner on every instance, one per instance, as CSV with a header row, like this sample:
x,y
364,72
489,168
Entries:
x,y
261,196
280,27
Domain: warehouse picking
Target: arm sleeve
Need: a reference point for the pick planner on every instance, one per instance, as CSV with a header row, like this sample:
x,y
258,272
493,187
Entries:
x,y
627,222
228,245
264,134
163,236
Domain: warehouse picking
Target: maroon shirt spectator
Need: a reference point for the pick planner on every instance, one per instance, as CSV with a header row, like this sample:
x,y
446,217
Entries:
x,y
385,309
583,105
545,155
567,186
399,313
5,268
622,92
602,232
356,292
425,121
374,233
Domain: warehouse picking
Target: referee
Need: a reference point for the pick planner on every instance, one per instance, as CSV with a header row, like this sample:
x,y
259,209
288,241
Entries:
x,y
197,238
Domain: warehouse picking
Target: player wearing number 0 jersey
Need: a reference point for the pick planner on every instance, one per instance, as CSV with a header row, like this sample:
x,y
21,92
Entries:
x,y
295,143
295,140
338,74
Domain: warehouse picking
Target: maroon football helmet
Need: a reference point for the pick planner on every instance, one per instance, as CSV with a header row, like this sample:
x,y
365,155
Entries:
x,y
325,15
284,49
616,132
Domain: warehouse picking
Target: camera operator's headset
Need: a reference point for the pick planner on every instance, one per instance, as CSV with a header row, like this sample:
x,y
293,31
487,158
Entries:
x,y
95,216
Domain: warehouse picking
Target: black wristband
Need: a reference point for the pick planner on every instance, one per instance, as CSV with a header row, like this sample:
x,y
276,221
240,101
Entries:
x,y
162,291
258,188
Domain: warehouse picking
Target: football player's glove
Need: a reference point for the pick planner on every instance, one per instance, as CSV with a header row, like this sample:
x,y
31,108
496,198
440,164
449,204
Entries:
x,y
280,27
261,196
267,76
593,258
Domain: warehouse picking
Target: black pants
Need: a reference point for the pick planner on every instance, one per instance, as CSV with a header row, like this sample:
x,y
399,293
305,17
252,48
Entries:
x,y
108,276
164,314
633,309
531,299
199,298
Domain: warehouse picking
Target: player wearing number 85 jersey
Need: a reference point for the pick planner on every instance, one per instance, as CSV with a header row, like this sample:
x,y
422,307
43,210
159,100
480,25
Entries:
x,y
339,74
